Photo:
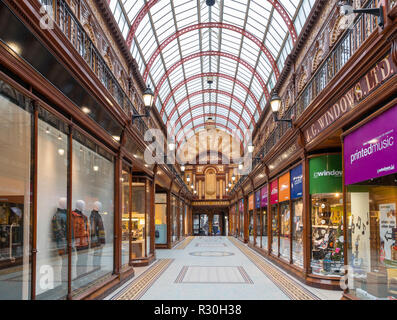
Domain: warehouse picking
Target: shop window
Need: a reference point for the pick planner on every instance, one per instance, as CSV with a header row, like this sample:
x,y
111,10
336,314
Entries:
x,y
285,216
326,215
274,217
264,228
15,194
93,212
161,218
275,232
297,232
285,230
372,237
371,207
196,225
258,228
148,217
251,226
126,216
174,219
52,216
138,219
297,215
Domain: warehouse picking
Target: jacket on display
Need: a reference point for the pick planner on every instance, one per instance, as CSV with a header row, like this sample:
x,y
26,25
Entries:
x,y
97,231
59,230
80,230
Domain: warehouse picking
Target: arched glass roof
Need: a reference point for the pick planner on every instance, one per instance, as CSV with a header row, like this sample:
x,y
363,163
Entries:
x,y
180,44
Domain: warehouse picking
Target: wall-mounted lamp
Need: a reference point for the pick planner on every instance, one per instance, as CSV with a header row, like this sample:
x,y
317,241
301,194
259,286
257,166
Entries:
x,y
188,178
347,9
148,97
233,178
183,168
275,103
251,148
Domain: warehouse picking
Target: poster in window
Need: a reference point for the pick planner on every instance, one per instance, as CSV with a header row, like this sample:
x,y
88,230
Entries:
x,y
386,225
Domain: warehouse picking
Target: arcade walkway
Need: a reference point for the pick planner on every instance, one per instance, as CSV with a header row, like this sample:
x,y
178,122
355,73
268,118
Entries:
x,y
215,268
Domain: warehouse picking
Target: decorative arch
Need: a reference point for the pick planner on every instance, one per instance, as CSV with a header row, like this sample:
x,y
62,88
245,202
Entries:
x,y
210,74
228,94
145,9
211,53
207,104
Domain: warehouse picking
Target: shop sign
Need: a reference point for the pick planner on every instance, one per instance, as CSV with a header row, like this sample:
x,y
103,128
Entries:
x,y
264,197
288,153
251,202
258,200
326,174
296,182
284,188
371,151
383,70
274,192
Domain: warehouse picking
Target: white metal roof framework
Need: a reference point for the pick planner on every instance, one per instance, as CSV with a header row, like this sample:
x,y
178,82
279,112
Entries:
x,y
243,45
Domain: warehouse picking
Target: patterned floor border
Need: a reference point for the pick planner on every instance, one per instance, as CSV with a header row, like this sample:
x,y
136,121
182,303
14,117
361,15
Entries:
x,y
143,283
184,270
184,244
290,287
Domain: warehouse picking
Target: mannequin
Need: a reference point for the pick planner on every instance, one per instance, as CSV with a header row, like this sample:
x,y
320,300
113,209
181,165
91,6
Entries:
x,y
59,228
97,232
80,234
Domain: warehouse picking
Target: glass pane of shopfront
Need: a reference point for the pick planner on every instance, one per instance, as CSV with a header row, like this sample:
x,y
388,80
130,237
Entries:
x,y
148,212
251,226
297,232
138,218
372,237
326,215
126,216
52,221
93,213
15,194
265,225
182,213
258,228
275,229
285,230
196,224
241,226
327,230
161,218
174,218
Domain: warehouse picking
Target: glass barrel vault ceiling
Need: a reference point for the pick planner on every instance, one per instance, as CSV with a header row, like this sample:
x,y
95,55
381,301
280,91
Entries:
x,y
243,45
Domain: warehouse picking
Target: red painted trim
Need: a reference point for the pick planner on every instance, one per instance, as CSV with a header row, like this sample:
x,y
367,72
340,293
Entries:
x,y
142,13
284,14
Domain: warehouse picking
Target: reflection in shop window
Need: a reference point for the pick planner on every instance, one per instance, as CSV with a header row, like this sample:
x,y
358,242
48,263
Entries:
x,y
372,237
15,193
93,213
52,220
138,219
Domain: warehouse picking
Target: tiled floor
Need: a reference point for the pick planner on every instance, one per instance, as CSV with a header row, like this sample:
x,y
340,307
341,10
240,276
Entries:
x,y
215,268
